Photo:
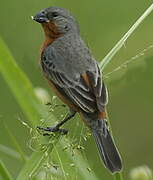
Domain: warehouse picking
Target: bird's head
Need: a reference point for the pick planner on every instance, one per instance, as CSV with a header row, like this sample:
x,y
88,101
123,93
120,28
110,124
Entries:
x,y
56,21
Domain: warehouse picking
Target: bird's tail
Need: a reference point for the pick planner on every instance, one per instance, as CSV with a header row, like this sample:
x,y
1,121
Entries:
x,y
106,147
104,141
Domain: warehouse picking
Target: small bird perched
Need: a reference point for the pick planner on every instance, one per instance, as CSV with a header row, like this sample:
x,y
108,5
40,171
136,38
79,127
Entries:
x,y
74,76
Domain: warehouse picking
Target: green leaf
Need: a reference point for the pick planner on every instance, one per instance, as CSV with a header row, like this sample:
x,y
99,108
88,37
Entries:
x,y
20,85
24,93
34,164
16,144
4,172
10,152
81,165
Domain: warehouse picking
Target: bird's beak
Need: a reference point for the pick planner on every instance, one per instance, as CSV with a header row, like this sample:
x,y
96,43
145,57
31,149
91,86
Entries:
x,y
40,18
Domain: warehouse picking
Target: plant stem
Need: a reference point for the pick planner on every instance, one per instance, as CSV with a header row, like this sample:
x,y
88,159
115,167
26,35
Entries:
x,y
121,42
115,49
118,176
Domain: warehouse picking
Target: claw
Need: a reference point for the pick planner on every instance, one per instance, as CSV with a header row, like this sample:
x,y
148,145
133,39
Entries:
x,y
52,129
63,131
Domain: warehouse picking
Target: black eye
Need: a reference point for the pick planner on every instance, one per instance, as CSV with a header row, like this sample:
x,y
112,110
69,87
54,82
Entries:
x,y
54,14
66,27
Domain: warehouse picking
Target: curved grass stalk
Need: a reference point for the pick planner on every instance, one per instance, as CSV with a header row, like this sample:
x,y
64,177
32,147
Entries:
x,y
117,47
23,91
122,41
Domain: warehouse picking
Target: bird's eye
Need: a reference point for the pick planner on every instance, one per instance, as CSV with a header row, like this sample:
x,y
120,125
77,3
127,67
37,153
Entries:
x,y
66,27
54,14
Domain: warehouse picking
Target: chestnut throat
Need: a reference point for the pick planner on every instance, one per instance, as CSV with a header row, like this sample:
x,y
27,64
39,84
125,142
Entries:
x,y
51,34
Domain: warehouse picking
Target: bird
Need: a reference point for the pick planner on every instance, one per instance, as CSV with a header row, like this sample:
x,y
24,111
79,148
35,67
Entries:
x,y
75,77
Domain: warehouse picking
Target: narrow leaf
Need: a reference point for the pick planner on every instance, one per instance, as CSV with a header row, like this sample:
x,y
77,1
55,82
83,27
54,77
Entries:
x,y
19,85
121,42
4,172
10,152
24,93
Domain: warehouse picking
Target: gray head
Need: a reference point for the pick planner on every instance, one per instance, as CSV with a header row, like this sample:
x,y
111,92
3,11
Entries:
x,y
58,18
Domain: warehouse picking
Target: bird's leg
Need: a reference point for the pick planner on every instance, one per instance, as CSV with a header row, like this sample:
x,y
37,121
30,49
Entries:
x,y
56,105
57,128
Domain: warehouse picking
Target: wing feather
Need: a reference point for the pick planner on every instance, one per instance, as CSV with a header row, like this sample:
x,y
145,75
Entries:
x,y
87,97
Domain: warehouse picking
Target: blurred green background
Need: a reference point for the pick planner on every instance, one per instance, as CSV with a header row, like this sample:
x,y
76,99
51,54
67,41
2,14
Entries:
x,y
102,24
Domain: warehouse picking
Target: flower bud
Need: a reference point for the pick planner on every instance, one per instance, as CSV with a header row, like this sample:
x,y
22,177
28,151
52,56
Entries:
x,y
141,173
42,95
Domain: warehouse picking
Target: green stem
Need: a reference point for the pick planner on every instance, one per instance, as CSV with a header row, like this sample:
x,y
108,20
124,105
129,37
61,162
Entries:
x,y
115,49
122,41
118,176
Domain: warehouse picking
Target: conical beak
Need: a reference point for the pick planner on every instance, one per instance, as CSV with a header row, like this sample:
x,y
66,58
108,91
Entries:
x,y
40,18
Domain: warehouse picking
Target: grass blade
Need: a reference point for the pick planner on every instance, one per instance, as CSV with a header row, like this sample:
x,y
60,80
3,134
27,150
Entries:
x,y
16,144
117,47
34,164
19,85
24,93
81,164
10,152
4,172
121,42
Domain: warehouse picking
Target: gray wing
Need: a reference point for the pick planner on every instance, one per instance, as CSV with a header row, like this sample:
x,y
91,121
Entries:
x,y
71,83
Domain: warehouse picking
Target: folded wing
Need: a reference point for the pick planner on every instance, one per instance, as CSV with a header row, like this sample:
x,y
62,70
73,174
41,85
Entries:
x,y
85,90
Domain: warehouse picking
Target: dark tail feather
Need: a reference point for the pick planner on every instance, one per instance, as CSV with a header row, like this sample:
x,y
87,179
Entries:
x,y
107,149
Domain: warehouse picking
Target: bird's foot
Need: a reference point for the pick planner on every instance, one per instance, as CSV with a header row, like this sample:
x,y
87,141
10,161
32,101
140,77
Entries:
x,y
55,105
52,129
